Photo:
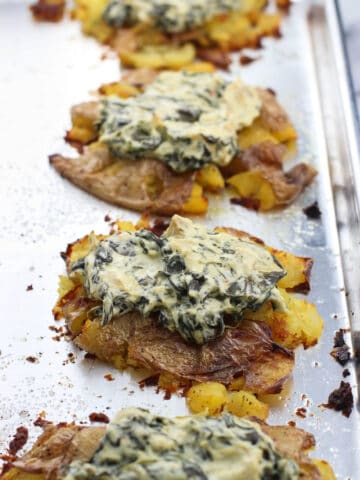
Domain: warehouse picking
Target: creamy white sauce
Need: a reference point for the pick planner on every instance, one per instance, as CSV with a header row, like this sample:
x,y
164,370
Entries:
x,y
172,16
186,120
190,277
139,445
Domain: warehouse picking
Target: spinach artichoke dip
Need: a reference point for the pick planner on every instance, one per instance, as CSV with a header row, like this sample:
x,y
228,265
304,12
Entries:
x,y
185,120
190,277
171,16
138,445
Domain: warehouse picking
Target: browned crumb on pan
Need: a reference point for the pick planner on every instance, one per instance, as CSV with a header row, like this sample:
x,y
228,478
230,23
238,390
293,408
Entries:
x,y
340,351
32,359
99,417
301,412
341,399
346,373
41,421
29,288
19,440
246,59
313,211
48,10
109,377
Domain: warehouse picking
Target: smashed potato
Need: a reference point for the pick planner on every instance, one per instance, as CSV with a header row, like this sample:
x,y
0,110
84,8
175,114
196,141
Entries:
x,y
60,445
114,342
137,45
256,175
197,203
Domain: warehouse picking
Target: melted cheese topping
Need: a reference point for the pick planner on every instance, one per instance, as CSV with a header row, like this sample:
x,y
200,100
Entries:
x,y
186,120
172,16
191,277
138,445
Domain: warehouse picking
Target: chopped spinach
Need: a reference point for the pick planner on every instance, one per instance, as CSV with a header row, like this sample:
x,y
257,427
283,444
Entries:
x,y
186,120
170,16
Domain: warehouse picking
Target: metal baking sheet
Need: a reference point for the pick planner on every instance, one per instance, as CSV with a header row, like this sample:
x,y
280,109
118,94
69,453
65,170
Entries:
x,y
47,68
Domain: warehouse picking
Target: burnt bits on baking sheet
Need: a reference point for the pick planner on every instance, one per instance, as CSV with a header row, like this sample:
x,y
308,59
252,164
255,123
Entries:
x,y
99,417
246,59
313,211
340,351
48,10
19,440
341,399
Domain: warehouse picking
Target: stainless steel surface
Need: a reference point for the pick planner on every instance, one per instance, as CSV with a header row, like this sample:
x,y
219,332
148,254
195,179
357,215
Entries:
x,y
44,70
350,16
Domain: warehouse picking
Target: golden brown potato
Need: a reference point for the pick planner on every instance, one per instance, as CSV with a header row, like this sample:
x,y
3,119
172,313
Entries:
x,y
197,204
245,404
252,185
324,468
212,398
208,398
210,178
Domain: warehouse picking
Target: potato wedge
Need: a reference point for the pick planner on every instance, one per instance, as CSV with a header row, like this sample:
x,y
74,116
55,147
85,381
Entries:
x,y
324,468
255,134
197,203
245,404
208,398
298,271
301,325
212,398
253,186
210,178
